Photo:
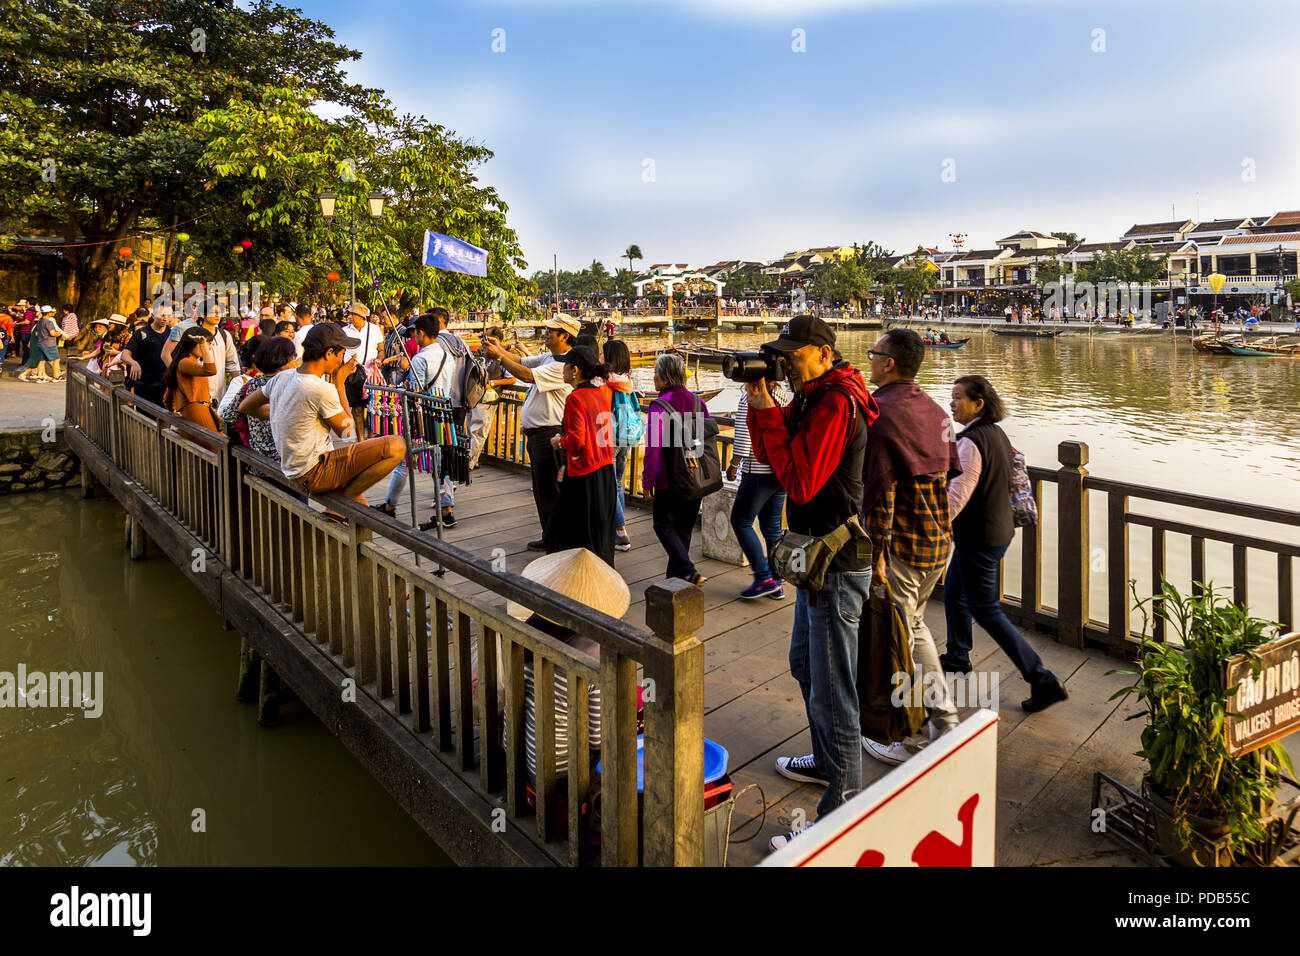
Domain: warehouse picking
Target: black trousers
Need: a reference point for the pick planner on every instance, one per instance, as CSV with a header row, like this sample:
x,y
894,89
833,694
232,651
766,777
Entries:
x,y
545,466
674,522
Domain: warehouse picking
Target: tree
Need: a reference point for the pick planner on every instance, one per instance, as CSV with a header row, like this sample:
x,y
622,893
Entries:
x,y
1124,265
632,252
915,277
1071,238
111,92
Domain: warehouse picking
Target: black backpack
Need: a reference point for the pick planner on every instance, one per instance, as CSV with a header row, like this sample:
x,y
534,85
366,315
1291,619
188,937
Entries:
x,y
697,474
473,381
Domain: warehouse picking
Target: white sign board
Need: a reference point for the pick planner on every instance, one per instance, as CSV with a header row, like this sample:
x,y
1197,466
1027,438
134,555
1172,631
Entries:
x,y
937,809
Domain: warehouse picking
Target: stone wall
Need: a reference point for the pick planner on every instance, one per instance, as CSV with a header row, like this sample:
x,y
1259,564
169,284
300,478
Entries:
x,y
29,464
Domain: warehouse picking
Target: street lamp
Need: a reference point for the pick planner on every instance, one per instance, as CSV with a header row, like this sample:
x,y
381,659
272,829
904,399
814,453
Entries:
x,y
374,206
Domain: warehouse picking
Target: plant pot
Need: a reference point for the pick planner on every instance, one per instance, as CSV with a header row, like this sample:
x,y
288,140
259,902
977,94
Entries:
x,y
1167,839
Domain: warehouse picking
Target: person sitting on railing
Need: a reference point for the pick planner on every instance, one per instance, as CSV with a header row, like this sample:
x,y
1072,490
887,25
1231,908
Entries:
x,y
186,380
982,530
582,577
305,405
270,357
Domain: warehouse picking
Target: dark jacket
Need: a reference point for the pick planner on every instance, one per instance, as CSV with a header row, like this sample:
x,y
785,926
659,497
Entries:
x,y
985,521
816,447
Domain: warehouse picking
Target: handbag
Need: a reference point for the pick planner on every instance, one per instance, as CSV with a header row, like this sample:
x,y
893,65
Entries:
x,y
1024,509
804,560
885,671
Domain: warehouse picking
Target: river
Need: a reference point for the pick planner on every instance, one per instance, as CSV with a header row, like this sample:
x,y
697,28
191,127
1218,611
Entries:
x,y
174,771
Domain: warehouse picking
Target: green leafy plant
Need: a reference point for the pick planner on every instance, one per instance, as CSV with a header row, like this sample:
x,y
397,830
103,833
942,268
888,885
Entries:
x,y
1183,687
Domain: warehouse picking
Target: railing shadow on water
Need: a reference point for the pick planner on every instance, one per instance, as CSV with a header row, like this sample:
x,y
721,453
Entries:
x,y
448,667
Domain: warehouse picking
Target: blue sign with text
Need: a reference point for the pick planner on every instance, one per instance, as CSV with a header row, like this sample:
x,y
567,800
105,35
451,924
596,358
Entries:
x,y
444,252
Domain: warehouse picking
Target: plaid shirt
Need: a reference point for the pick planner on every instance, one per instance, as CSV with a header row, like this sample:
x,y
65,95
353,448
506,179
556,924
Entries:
x,y
910,521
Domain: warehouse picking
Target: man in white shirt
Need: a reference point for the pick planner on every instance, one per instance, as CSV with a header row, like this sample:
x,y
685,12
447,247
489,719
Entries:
x,y
361,328
542,413
304,405
303,317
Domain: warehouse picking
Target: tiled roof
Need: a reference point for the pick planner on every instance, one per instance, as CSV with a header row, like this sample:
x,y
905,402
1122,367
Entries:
x,y
1260,239
1284,219
983,254
1217,225
1157,228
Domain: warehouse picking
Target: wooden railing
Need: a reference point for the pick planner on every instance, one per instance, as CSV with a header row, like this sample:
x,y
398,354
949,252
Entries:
x,y
1088,575
444,660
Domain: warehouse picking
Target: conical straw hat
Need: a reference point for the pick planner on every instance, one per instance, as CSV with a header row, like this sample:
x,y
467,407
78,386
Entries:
x,y
581,576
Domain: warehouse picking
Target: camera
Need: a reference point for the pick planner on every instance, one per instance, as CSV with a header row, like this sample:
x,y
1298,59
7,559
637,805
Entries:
x,y
766,363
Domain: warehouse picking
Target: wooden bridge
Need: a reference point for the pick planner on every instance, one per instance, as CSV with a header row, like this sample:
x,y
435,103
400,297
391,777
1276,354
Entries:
x,y
419,672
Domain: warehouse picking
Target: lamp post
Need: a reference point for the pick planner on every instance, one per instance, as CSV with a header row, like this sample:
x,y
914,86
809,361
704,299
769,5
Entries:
x,y
374,206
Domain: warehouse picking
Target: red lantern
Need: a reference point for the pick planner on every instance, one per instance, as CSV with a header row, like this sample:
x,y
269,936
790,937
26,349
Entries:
x,y
333,277
124,252
247,243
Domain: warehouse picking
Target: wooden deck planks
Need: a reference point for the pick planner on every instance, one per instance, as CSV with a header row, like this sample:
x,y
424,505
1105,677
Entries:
x,y
754,709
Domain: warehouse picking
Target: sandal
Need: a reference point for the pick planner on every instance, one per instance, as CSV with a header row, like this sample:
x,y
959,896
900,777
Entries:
x,y
696,579
334,516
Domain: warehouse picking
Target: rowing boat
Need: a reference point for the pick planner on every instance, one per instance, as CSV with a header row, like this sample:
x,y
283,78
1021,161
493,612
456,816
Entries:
x,y
1028,333
1271,352
954,344
705,396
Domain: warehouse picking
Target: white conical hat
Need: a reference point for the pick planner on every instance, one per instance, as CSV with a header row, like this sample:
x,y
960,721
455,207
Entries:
x,y
580,575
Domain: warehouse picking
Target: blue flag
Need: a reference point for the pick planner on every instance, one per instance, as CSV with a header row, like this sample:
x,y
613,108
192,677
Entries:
x,y
444,252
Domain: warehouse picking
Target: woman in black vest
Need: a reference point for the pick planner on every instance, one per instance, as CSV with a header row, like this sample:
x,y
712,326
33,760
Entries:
x,y
979,501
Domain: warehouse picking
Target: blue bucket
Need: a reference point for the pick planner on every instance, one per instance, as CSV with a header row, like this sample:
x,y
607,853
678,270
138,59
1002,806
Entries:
x,y
715,762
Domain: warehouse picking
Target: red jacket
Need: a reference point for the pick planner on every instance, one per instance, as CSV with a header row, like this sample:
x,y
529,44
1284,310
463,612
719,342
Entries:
x,y
588,436
804,462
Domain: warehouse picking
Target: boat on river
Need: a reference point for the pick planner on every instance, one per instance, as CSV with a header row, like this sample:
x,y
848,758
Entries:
x,y
1028,333
954,344
704,396
1272,351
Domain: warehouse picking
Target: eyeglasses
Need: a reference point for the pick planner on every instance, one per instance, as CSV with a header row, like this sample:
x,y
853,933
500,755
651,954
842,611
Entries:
x,y
872,353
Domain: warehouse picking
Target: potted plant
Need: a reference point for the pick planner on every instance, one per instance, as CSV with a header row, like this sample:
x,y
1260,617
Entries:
x,y
1192,778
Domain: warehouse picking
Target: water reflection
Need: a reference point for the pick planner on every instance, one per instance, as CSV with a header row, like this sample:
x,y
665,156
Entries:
x,y
123,789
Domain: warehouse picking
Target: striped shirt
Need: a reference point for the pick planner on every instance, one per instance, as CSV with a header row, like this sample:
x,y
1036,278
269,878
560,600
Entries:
x,y
742,447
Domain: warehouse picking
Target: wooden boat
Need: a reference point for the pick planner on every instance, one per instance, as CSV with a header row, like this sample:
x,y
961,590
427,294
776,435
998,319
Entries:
x,y
1269,351
701,354
1028,333
954,344
705,396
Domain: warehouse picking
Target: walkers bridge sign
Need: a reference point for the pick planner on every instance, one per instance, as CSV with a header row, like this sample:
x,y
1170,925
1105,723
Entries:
x,y
1265,707
937,809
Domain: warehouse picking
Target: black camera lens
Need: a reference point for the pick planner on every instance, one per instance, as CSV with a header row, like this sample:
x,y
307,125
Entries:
x,y
753,366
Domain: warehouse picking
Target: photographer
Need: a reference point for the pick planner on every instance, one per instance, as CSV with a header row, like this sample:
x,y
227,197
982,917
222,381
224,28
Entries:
x,y
816,447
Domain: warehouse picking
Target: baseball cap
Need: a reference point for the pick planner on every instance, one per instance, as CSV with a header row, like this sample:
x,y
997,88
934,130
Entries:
x,y
803,330
328,336
564,322
47,308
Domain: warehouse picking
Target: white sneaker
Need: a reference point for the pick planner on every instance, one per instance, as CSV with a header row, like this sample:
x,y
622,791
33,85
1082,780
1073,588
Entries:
x,y
781,839
892,754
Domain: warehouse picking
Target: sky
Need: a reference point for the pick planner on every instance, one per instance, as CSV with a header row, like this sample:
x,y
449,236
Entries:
x,y
705,130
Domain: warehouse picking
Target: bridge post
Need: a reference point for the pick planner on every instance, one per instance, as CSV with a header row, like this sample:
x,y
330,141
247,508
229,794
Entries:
x,y
674,726
1073,552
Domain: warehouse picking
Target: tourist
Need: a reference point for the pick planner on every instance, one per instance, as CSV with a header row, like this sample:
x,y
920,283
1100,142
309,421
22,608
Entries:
x,y
982,529
286,330
6,332
300,320
584,512
482,418
71,327
628,429
673,516
186,382
583,578
905,498
304,406
271,356
815,447
542,413
43,351
142,357
760,496
247,370
432,370
366,354
24,318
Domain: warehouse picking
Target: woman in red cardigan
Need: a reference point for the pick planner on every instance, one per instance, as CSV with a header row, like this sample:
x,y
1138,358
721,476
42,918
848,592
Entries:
x,y
584,514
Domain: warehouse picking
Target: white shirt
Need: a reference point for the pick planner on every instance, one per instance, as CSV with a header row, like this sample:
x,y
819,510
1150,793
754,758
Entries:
x,y
298,338
368,350
226,356
963,486
232,391
301,406
544,404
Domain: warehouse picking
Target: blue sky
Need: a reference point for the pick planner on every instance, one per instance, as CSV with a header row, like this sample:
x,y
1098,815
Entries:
x,y
758,149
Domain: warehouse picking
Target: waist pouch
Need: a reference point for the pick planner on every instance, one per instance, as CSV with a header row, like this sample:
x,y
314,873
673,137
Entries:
x,y
804,560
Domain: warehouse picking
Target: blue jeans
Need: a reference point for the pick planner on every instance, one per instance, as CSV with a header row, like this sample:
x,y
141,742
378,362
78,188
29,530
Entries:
x,y
759,496
401,475
620,463
971,591
824,661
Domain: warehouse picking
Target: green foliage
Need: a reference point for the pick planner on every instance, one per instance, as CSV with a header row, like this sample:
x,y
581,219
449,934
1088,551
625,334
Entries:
x,y
1124,265
1183,687
630,253
1292,288
912,279
751,279
1072,239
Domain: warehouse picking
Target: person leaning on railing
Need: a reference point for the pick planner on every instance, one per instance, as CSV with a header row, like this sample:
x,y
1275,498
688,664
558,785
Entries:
x,y
185,382
982,529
